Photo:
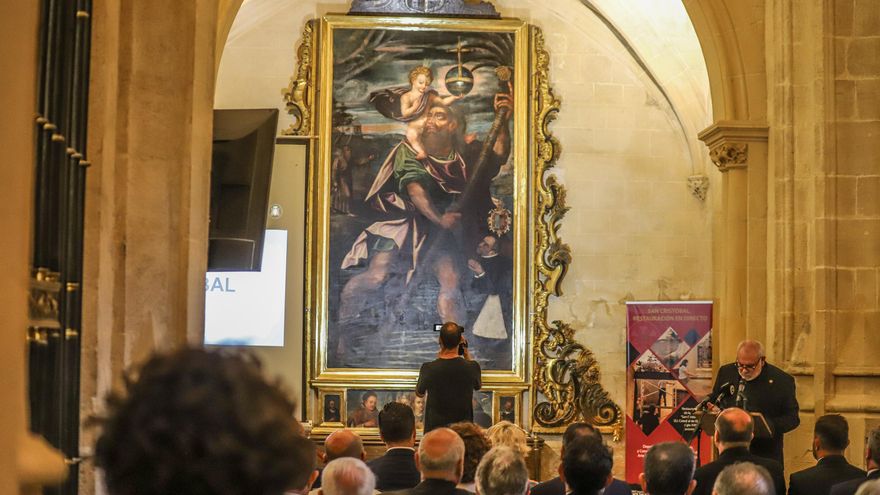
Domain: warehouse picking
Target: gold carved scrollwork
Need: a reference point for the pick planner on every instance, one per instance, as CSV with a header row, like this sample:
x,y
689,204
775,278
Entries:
x,y
566,374
729,155
299,95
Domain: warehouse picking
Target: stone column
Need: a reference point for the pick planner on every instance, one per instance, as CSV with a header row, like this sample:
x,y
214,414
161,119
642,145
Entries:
x,y
150,127
739,150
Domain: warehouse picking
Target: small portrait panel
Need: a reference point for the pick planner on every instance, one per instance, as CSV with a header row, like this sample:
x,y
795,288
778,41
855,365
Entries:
x,y
332,408
507,408
483,408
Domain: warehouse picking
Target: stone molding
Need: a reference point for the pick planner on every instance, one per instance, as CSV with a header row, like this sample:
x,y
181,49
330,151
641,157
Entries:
x,y
728,142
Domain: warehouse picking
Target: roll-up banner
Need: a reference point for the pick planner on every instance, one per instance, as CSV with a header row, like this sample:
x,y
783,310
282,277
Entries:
x,y
669,371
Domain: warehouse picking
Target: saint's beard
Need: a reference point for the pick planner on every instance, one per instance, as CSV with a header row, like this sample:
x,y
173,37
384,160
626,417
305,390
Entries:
x,y
437,142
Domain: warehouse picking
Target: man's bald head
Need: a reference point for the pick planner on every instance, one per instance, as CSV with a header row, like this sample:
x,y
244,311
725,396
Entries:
x,y
734,427
343,443
441,455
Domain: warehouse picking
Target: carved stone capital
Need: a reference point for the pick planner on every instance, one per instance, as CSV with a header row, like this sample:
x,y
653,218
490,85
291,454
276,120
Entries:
x,y
728,142
726,156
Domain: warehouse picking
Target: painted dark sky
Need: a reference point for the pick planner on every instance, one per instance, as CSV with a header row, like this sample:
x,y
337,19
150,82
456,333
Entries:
x,y
370,60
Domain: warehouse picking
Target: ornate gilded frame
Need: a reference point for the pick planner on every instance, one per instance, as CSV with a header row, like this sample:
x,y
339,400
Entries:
x,y
565,378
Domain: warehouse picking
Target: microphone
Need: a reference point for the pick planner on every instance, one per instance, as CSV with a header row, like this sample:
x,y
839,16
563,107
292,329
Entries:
x,y
740,394
724,392
704,403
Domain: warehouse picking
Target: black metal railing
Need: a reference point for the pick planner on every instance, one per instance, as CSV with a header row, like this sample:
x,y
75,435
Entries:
x,y
54,340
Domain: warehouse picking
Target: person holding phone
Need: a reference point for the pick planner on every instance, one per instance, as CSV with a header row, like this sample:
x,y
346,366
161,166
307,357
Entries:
x,y
449,381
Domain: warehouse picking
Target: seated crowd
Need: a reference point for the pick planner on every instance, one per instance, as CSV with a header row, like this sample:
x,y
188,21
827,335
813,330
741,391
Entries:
x,y
198,422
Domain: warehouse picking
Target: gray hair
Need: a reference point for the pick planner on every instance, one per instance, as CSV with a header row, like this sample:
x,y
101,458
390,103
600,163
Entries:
x,y
448,462
502,472
753,344
744,478
871,487
347,476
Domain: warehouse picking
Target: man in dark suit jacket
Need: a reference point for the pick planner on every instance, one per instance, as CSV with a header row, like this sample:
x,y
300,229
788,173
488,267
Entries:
x,y
396,470
440,460
734,431
556,486
757,386
830,439
872,461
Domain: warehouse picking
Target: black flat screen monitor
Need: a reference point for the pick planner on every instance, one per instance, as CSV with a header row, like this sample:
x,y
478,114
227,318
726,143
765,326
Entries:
x,y
241,171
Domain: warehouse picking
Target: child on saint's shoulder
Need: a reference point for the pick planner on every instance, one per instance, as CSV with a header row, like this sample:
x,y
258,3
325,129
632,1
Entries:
x,y
413,105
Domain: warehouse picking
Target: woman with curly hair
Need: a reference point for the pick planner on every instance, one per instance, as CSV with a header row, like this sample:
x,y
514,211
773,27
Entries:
x,y
475,447
198,422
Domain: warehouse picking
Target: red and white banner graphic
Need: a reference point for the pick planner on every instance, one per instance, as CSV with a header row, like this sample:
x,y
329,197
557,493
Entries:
x,y
669,371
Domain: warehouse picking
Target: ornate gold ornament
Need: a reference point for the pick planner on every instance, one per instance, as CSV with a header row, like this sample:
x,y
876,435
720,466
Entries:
x,y
299,96
566,381
499,219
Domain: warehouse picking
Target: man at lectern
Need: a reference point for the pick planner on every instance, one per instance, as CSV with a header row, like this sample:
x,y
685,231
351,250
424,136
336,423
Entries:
x,y
754,385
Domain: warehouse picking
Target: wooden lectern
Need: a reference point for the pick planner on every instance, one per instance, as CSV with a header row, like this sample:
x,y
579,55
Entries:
x,y
707,426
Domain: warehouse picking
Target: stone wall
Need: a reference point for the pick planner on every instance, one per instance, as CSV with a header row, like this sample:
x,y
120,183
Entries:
x,y
825,115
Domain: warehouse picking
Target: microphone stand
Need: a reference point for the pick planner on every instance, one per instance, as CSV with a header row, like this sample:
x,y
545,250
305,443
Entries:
x,y
701,407
698,432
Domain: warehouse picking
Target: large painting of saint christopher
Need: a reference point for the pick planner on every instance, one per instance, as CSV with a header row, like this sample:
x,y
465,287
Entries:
x,y
421,185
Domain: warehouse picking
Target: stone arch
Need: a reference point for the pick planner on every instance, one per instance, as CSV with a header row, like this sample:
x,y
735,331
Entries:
x,y
731,35
226,12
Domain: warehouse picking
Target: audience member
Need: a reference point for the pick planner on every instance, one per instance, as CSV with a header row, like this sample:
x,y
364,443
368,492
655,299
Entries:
x,y
507,434
669,470
339,444
586,466
556,486
347,476
502,472
734,431
396,470
871,487
872,461
475,447
343,443
744,478
187,425
440,459
830,439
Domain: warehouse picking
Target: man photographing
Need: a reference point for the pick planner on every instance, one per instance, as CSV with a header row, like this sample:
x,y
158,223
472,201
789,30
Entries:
x,y
449,380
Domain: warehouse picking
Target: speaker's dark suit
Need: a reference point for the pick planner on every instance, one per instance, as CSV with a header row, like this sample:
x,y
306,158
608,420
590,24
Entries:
x,y
433,487
771,393
850,487
706,475
557,487
396,470
819,479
